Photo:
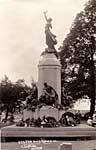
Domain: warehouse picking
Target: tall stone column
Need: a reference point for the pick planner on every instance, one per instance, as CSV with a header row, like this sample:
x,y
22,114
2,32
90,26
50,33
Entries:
x,y
49,70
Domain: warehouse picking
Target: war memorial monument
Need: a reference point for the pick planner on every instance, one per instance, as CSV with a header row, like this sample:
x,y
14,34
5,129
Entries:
x,y
49,95
49,67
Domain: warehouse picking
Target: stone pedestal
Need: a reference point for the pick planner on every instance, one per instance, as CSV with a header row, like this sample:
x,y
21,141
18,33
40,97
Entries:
x,y
28,114
49,70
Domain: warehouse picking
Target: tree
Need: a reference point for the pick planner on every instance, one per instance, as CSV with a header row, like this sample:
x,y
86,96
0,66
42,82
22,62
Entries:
x,y
12,95
77,56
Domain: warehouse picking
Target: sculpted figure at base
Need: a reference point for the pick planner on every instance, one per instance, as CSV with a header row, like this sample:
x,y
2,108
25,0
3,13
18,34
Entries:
x,y
49,95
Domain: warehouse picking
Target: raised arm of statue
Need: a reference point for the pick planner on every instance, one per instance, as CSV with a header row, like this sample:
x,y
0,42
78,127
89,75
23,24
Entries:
x,y
45,12
48,20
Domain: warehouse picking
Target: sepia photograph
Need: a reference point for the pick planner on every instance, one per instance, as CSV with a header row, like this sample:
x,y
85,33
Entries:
x,y
48,74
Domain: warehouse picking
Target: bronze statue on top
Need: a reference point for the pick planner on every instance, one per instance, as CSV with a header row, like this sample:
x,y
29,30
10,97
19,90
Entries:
x,y
50,37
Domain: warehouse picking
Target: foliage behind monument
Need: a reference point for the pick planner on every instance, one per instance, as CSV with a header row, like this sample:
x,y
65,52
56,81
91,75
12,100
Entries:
x,y
77,56
13,94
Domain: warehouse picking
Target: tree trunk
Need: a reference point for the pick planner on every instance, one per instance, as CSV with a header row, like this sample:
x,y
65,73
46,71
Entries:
x,y
92,88
6,116
92,107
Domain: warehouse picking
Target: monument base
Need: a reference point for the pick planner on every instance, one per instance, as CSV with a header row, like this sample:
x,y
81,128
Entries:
x,y
49,111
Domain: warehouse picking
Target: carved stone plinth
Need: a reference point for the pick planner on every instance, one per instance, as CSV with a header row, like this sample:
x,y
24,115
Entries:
x,y
49,70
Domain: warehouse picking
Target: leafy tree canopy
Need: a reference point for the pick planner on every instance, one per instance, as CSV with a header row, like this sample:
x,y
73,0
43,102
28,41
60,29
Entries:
x,y
12,94
77,56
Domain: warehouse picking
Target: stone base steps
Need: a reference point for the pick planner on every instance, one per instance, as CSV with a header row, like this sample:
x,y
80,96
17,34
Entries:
x,y
48,132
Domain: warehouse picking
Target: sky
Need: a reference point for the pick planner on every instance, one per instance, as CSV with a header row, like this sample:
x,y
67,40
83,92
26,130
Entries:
x,y
22,37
